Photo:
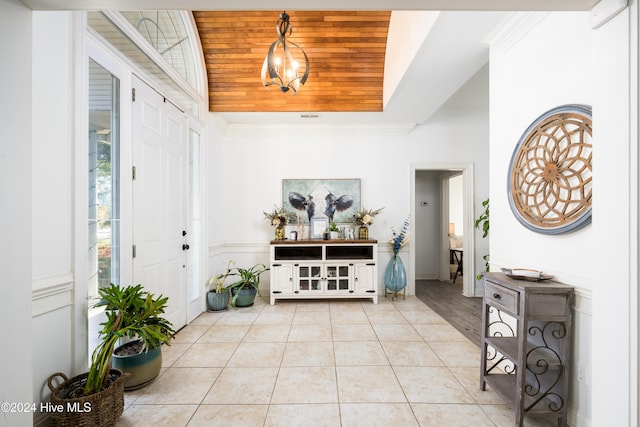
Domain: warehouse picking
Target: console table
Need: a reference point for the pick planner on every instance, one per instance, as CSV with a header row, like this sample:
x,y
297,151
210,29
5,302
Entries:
x,y
526,345
307,269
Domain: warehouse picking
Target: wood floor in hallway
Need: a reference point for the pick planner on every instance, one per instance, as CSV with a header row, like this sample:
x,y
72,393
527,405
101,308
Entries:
x,y
446,299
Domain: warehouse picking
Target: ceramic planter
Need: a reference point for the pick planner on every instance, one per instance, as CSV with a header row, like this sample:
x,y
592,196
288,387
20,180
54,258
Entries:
x,y
218,301
143,367
246,297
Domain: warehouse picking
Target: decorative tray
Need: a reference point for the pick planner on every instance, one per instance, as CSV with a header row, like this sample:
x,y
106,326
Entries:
x,y
526,274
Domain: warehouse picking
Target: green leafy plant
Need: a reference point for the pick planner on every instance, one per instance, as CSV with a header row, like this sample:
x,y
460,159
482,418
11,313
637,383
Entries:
x,y
482,223
218,281
131,312
333,227
248,277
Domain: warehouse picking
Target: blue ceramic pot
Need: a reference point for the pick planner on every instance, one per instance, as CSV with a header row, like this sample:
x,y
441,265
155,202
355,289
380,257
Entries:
x,y
142,367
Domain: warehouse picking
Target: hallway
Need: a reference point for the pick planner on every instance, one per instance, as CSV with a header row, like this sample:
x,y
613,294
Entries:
x,y
319,363
446,299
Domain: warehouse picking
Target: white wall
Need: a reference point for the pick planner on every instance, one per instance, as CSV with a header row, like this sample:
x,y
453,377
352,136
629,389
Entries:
x,y
455,205
407,32
615,221
545,61
253,165
53,198
15,224
427,224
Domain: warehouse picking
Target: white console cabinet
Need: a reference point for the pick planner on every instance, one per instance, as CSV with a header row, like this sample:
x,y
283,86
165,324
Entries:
x,y
307,269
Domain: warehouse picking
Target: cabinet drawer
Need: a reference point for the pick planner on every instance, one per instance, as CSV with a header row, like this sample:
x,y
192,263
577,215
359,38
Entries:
x,y
502,298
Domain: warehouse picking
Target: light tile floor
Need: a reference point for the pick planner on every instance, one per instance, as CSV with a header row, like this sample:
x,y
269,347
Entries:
x,y
319,363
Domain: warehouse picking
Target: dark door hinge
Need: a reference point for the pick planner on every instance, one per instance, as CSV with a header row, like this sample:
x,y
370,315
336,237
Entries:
x,y
133,251
133,94
133,173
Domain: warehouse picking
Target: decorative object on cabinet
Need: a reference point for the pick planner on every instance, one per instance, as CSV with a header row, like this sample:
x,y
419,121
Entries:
x,y
335,199
526,274
244,291
279,218
365,216
482,223
318,227
395,276
549,181
331,269
349,233
527,365
334,231
363,219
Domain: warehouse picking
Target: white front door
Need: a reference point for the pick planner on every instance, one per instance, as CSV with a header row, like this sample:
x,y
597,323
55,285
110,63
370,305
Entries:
x,y
160,159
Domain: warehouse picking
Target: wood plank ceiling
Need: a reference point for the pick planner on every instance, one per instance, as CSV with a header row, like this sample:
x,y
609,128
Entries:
x,y
346,52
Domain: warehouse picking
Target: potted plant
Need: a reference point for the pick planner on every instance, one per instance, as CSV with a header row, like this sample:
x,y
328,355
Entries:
x,y
482,223
137,315
334,231
218,297
244,291
96,397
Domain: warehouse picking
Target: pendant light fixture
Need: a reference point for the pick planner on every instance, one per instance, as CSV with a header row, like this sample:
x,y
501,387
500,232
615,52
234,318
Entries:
x,y
282,65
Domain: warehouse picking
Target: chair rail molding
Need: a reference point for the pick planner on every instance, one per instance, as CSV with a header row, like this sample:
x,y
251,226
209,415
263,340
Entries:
x,y
51,293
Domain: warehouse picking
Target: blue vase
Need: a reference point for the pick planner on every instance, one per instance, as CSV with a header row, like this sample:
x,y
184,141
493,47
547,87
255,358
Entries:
x,y
395,277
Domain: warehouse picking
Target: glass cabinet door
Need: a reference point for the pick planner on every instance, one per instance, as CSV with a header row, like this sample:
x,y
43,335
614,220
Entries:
x,y
338,278
309,277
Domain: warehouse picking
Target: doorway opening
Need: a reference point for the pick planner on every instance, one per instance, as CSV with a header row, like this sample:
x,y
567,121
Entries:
x,y
433,212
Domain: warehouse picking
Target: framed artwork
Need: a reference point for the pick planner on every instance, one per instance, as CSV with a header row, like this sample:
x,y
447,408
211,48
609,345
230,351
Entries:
x,y
336,200
549,184
318,227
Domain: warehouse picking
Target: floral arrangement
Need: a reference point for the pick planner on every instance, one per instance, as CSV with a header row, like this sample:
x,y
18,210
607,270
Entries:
x,y
279,217
398,240
365,217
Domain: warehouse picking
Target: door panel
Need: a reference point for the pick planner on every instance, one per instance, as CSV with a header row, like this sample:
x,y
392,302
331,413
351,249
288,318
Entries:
x,y
159,199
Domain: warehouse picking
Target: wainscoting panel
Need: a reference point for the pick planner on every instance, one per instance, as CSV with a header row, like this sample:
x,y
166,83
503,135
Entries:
x,y
52,334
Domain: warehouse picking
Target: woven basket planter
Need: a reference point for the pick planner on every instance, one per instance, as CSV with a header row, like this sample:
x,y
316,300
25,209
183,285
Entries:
x,y
97,409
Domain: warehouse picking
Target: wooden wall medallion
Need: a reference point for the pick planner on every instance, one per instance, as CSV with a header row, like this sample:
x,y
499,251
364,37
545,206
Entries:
x,y
549,187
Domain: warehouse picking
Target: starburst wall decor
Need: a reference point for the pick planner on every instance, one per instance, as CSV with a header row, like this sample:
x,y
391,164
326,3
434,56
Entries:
x,y
549,184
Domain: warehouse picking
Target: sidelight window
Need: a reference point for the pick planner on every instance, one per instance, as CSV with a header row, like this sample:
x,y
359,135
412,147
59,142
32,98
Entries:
x,y
104,186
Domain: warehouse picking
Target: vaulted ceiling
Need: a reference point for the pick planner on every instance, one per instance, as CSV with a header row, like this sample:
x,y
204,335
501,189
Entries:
x,y
452,52
346,52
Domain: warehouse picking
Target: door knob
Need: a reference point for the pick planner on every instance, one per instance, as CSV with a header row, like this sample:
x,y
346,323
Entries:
x,y
185,247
